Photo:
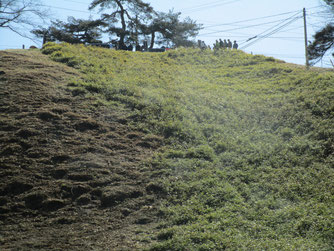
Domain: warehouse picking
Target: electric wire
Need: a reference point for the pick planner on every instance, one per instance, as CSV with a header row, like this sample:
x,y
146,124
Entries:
x,y
209,7
267,35
257,39
203,5
258,18
68,9
249,26
252,19
77,2
293,16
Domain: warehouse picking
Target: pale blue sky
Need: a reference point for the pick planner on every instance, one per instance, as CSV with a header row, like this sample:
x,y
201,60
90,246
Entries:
x,y
222,19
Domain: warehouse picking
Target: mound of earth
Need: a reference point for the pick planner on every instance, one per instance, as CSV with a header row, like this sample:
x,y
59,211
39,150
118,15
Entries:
x,y
72,172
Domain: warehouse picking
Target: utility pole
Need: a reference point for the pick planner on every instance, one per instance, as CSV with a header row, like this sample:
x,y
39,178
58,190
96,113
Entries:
x,y
305,35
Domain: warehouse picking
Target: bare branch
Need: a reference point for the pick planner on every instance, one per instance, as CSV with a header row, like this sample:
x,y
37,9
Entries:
x,y
26,13
21,34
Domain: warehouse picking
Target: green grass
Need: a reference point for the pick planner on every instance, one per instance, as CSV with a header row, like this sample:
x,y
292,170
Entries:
x,y
250,158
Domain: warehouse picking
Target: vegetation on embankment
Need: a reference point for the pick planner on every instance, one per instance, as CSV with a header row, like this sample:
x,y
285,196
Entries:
x,y
251,142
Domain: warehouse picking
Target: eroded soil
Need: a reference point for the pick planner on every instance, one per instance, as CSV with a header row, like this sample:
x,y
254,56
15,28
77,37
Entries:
x,y
73,174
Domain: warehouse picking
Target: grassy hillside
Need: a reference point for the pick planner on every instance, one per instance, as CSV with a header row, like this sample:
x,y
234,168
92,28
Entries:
x,y
249,161
73,174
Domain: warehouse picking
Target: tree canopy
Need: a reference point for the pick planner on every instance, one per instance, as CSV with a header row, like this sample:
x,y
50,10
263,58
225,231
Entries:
x,y
323,40
171,30
125,13
131,21
135,20
74,31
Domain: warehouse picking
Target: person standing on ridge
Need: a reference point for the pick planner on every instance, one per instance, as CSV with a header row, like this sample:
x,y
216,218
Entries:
x,y
225,43
221,43
216,45
235,45
229,44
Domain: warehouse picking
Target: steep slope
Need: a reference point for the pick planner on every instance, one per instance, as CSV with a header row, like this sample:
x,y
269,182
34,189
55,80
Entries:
x,y
247,161
73,174
250,142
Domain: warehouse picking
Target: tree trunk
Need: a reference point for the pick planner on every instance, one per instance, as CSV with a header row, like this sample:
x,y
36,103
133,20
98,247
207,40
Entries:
x,y
136,31
152,39
44,39
123,32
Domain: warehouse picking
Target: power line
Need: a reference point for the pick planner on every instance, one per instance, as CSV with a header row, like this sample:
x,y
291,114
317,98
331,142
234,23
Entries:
x,y
194,9
203,5
77,2
242,26
301,26
281,22
249,26
294,28
61,8
271,32
258,18
276,37
253,19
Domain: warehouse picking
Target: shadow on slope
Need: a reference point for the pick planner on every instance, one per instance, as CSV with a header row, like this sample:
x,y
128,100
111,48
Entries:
x,y
73,174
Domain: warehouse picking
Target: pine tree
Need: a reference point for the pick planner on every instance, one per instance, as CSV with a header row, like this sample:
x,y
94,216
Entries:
x,y
171,30
323,40
74,31
123,11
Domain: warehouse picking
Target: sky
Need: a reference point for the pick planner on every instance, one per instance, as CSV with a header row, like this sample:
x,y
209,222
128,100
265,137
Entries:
x,y
271,28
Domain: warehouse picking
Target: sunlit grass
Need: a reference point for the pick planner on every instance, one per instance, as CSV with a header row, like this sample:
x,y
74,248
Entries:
x,y
251,139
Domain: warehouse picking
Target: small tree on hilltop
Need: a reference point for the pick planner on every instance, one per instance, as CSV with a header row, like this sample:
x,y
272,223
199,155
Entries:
x,y
182,31
171,30
157,24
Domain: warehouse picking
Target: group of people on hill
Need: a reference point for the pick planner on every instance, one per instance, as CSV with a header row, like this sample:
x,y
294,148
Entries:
x,y
220,44
138,47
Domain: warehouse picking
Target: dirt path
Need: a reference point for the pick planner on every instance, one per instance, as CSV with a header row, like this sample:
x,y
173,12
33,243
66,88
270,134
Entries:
x,y
72,173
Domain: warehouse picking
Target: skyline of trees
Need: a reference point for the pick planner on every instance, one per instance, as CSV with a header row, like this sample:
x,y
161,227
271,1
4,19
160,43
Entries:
x,y
134,21
127,21
130,21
